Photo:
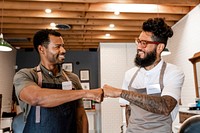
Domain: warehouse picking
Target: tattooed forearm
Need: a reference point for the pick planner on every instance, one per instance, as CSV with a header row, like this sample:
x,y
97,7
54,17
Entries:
x,y
156,104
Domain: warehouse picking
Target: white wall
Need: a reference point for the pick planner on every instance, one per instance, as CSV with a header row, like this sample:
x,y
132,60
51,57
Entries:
x,y
183,45
115,59
7,71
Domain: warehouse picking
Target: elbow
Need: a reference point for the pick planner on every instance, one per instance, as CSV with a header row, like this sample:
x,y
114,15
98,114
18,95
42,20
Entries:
x,y
39,100
166,113
34,101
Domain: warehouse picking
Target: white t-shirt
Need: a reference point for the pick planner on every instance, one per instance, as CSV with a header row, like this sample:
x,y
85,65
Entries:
x,y
173,81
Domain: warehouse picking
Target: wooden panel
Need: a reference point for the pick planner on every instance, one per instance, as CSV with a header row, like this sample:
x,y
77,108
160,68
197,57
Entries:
x,y
184,116
89,19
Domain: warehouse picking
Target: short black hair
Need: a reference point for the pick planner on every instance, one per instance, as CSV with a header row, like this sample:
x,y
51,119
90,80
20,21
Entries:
x,y
161,31
42,37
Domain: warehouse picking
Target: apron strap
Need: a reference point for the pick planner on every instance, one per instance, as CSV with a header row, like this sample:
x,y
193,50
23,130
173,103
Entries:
x,y
65,75
160,78
39,74
37,112
162,75
133,78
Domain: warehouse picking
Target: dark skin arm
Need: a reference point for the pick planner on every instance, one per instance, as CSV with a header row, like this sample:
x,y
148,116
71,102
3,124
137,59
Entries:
x,y
82,121
53,97
155,104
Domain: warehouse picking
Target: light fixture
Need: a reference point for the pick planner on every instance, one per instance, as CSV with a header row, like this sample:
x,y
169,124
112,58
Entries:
x,y
53,24
4,46
107,35
63,26
165,52
111,25
117,12
48,11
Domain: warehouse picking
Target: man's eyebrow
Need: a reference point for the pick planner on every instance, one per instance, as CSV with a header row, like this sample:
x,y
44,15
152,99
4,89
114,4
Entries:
x,y
59,44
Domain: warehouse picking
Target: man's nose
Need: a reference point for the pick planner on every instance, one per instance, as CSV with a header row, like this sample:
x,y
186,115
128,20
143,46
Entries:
x,y
62,49
139,46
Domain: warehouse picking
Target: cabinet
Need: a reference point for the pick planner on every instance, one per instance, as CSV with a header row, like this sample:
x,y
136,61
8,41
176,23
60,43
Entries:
x,y
184,113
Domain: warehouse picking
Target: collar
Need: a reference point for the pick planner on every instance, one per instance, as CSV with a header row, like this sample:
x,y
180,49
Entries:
x,y
155,69
47,72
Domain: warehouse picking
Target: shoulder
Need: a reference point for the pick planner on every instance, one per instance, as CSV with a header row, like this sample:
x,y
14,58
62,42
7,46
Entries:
x,y
26,73
27,70
174,71
171,68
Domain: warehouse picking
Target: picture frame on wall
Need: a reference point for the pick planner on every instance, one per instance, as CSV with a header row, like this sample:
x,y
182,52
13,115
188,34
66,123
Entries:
x,y
68,66
87,104
84,75
85,85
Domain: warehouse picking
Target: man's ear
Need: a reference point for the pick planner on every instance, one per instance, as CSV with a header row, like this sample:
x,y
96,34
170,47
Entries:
x,y
160,47
40,49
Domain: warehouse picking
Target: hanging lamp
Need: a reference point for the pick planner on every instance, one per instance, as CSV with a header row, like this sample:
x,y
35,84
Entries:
x,y
4,46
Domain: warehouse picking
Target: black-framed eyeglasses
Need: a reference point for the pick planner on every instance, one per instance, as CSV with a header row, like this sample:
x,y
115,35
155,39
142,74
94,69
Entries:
x,y
144,43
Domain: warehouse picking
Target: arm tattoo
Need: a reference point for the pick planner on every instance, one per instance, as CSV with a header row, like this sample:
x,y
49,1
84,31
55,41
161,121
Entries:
x,y
155,104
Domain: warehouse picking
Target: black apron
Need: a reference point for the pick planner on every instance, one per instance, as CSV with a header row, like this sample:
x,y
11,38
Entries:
x,y
59,119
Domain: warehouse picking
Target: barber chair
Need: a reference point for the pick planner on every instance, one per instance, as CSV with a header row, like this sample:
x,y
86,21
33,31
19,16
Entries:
x,y
191,125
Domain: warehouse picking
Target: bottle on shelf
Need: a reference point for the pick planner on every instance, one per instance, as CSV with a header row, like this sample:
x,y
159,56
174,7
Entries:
x,y
93,104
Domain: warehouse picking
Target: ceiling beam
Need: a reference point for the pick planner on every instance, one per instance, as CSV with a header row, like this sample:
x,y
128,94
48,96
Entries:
x,y
96,7
168,2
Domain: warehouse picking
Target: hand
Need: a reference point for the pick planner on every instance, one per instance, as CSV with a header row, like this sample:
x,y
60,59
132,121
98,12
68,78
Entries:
x,y
110,91
95,94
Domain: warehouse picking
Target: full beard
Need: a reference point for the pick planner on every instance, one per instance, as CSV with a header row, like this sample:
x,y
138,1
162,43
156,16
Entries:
x,y
147,61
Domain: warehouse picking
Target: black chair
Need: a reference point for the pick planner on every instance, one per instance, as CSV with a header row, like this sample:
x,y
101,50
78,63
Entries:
x,y
191,125
8,114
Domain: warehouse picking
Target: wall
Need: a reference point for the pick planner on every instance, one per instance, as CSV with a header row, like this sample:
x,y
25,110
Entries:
x,y
7,71
80,60
183,45
115,59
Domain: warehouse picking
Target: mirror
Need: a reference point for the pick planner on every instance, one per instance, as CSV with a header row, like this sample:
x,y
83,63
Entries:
x,y
196,69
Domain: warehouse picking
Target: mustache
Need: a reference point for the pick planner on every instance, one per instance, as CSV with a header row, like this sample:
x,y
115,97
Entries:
x,y
63,53
139,50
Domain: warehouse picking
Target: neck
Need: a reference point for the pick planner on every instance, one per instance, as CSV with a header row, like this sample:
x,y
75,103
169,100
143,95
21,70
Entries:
x,y
153,65
54,68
